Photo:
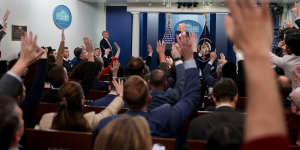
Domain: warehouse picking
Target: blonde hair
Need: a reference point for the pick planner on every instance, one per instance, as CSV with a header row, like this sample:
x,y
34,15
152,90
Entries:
x,y
126,133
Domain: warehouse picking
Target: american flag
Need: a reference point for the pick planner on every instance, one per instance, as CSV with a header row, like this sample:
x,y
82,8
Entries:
x,y
168,37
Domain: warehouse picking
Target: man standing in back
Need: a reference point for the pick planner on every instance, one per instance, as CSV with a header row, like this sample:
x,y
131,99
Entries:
x,y
106,48
105,44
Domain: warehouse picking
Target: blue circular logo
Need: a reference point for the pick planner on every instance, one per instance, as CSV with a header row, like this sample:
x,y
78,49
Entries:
x,y
62,17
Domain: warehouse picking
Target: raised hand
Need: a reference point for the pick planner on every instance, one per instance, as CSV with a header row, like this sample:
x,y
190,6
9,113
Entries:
x,y
106,52
160,47
295,10
44,56
4,20
186,44
88,44
115,68
63,35
4,26
213,56
83,47
89,48
169,61
175,52
256,29
119,86
117,46
193,39
150,49
5,17
250,28
222,59
296,73
30,51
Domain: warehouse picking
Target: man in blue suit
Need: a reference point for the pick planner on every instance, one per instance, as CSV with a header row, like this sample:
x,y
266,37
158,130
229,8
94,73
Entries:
x,y
166,120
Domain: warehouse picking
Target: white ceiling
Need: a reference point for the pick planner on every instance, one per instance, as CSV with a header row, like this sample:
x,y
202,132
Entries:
x,y
165,1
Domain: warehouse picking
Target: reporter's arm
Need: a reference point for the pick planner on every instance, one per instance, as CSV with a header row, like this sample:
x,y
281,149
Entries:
x,y
2,34
250,28
118,50
60,53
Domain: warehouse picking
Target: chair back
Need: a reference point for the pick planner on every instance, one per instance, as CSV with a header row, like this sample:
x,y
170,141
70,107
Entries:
x,y
168,143
196,144
45,140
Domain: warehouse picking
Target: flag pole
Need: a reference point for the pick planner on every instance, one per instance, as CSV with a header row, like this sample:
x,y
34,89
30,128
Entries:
x,y
169,19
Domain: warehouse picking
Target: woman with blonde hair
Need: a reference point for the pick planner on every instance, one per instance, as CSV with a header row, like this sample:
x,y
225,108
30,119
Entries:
x,y
125,133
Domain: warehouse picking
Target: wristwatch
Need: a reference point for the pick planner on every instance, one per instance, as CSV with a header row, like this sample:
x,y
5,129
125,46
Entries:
x,y
176,59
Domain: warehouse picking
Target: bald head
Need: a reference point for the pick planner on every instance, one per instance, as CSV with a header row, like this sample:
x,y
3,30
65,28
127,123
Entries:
x,y
285,86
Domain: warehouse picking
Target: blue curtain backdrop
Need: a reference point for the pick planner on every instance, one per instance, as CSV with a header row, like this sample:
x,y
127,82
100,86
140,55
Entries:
x,y
224,44
152,28
162,25
143,35
213,27
119,25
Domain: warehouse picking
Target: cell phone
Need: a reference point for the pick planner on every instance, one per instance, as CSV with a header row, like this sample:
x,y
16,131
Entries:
x,y
1,26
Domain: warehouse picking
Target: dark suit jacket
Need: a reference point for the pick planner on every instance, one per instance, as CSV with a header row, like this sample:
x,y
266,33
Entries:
x,y
32,99
90,81
171,95
200,62
201,126
2,34
67,65
51,96
241,82
104,45
9,86
166,120
297,22
106,61
148,60
75,61
208,78
179,32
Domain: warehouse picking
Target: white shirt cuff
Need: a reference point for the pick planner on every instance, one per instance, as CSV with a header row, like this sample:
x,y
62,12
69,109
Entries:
x,y
178,62
15,76
239,56
189,64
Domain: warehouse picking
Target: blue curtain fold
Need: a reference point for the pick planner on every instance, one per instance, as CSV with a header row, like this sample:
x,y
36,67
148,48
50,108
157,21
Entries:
x,y
161,25
143,35
213,19
230,53
116,16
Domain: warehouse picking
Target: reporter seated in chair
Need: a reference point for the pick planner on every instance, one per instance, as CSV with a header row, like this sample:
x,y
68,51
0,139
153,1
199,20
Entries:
x,y
69,115
225,97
